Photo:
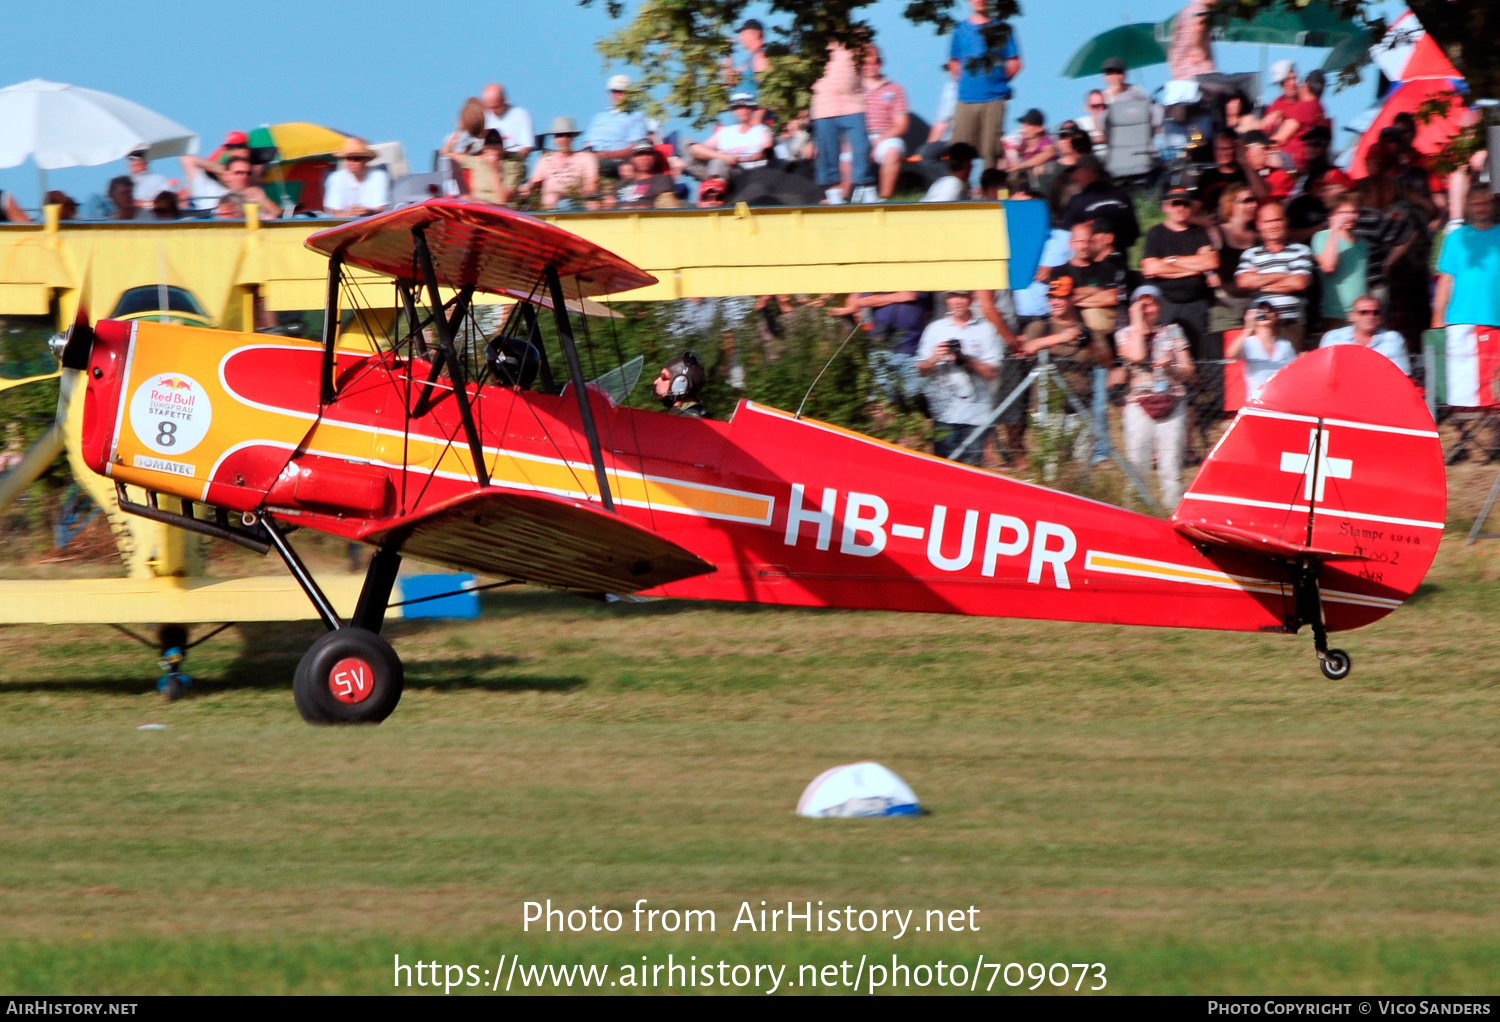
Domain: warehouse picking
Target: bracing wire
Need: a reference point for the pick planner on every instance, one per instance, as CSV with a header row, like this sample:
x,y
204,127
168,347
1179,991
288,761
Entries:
x,y
824,370
614,334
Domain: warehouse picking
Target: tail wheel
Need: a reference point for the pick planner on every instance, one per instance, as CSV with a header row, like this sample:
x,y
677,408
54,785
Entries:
x,y
349,676
1336,665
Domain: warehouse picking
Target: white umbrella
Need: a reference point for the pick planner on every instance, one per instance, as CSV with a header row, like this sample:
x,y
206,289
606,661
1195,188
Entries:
x,y
60,125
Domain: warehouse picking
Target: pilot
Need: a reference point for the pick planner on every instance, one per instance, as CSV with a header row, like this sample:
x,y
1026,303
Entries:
x,y
679,385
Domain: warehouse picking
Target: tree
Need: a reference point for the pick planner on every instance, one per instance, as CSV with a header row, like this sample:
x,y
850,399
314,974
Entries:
x,y
679,47
1467,31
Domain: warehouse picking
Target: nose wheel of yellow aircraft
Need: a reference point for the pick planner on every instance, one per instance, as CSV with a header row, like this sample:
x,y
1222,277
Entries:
x,y
174,682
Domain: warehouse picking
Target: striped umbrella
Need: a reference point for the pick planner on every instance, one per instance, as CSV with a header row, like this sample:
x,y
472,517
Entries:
x,y
297,140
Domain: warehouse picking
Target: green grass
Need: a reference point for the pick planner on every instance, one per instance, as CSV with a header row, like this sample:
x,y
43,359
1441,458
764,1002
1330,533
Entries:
x,y
1201,812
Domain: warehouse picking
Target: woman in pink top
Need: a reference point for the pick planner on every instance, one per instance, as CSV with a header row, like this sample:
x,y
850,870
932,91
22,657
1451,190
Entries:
x,y
838,112
565,177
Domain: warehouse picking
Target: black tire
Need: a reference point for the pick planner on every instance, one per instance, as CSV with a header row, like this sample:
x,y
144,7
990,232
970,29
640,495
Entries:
x,y
1336,665
174,688
329,691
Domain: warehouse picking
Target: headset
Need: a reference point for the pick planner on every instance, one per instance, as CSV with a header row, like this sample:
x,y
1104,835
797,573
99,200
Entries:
x,y
514,361
687,377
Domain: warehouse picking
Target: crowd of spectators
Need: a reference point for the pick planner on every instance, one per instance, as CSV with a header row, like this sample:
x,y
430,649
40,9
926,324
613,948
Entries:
x,y
1265,249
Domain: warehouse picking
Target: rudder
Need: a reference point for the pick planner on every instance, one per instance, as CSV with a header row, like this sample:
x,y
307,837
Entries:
x,y
1337,461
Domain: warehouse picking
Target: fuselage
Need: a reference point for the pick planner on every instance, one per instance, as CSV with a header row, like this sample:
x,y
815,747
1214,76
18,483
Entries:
x,y
790,511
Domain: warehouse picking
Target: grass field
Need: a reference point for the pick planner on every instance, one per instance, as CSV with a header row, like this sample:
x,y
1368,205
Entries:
x,y
1200,812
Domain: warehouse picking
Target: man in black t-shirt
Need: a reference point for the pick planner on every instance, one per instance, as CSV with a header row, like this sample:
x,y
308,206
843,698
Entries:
x,y
1180,260
1098,198
1226,171
1098,276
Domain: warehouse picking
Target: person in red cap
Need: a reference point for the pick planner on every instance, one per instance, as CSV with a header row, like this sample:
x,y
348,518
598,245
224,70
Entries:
x,y
205,176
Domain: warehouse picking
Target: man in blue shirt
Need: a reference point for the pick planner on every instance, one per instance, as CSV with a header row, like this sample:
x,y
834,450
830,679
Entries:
x,y
984,82
612,132
745,76
1467,302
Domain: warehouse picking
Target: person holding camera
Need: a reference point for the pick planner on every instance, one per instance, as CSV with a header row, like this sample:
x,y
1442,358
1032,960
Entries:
x,y
1261,346
959,358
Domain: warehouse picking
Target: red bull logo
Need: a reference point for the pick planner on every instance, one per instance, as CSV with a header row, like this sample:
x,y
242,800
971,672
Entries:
x,y
171,391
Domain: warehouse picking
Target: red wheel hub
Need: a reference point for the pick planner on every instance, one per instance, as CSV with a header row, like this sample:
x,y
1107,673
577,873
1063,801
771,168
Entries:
x,y
352,680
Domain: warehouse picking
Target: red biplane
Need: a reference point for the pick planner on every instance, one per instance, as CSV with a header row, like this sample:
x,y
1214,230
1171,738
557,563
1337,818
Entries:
x,y
1322,505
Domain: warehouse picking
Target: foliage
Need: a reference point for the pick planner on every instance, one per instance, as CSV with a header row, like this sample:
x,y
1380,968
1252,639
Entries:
x,y
679,47
27,412
771,354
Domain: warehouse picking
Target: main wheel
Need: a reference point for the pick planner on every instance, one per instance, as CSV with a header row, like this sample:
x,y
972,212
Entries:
x,y
1336,665
349,676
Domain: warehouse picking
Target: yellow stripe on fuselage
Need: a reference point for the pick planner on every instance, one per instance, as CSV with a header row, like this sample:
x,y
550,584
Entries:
x,y
1140,567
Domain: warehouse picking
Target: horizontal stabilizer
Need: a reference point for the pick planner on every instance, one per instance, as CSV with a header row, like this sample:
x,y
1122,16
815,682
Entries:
x,y
1218,534
543,540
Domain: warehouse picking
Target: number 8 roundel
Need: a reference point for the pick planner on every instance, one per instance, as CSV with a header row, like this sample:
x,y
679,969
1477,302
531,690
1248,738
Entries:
x,y
170,413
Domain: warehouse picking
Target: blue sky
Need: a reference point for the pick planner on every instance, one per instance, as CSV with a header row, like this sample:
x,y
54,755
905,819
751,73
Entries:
x,y
399,71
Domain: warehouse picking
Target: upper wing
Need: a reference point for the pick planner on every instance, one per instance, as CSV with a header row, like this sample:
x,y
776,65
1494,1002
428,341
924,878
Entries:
x,y
540,539
494,250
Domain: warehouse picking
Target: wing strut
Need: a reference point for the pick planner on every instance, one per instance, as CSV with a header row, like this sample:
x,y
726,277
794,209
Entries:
x,y
331,318
575,372
534,335
450,354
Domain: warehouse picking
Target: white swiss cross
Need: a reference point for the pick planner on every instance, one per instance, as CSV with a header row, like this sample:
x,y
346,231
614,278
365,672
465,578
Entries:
x,y
1328,468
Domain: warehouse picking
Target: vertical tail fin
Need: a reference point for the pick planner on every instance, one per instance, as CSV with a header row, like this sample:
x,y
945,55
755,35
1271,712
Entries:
x,y
1337,461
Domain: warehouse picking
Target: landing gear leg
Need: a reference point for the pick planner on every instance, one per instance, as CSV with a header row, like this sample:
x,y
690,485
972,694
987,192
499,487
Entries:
x,y
174,682
1334,663
350,675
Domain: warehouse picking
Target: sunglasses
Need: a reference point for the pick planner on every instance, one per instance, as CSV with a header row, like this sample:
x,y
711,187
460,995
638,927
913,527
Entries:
x,y
1111,74
1096,106
1178,204
1367,312
359,159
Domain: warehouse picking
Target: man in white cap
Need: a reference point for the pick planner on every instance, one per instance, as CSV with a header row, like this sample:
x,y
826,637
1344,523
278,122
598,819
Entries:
x,y
732,148
1292,114
612,132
